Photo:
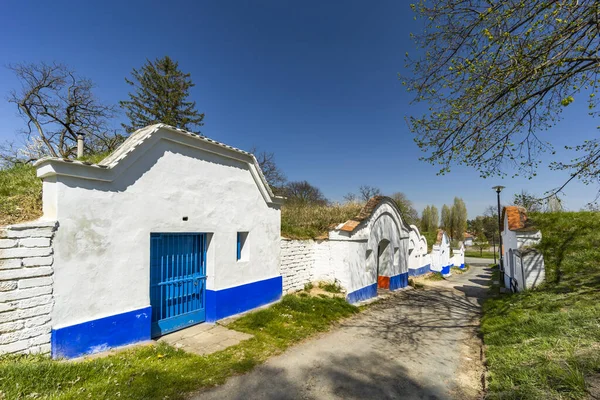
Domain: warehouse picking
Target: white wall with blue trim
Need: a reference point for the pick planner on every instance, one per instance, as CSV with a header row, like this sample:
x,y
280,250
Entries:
x,y
161,180
352,258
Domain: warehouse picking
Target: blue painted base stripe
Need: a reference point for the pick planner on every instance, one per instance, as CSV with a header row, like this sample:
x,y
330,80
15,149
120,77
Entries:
x,y
446,270
101,334
419,271
227,302
399,281
362,294
462,266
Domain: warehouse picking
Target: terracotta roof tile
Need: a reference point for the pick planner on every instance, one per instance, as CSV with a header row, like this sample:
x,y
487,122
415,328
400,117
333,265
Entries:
x,y
517,217
364,213
440,235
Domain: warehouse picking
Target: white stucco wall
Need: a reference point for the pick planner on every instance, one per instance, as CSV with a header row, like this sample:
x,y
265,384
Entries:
x,y
418,257
350,258
521,243
534,268
440,254
458,256
26,278
386,224
103,246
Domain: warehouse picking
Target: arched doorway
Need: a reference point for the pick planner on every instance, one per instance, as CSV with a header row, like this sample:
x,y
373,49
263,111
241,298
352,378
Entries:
x,y
384,264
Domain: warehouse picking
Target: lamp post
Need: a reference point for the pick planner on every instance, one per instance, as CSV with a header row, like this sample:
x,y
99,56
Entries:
x,y
498,189
494,243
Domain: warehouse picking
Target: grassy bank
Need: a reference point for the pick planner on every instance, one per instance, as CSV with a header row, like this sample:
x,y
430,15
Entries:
x,y
309,222
20,195
158,372
545,343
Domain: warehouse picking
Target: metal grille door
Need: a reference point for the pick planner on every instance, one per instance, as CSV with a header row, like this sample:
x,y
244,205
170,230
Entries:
x,y
177,280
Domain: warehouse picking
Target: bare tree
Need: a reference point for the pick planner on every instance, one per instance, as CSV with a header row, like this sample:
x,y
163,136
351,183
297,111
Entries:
x,y
366,192
273,174
302,192
527,200
57,105
350,197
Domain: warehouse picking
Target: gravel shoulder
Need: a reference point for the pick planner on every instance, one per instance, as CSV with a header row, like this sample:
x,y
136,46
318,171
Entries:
x,y
416,344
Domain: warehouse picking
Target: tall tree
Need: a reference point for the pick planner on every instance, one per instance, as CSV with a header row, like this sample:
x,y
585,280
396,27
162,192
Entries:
x,y
407,210
482,243
446,221
160,94
490,223
57,105
435,219
430,219
495,75
459,219
303,193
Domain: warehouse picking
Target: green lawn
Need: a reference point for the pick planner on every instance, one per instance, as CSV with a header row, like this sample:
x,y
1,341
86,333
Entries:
x,y
545,343
159,372
478,254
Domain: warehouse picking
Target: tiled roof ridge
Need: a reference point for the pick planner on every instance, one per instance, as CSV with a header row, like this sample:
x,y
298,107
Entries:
x,y
366,212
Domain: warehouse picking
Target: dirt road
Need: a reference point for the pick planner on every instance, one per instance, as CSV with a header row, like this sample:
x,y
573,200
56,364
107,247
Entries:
x,y
417,344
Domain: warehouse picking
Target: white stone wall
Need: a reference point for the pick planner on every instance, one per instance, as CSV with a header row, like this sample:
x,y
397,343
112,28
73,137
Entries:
x,y
297,260
26,287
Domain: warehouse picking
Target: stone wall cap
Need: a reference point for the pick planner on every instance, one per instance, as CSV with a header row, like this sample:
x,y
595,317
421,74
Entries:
x,y
32,225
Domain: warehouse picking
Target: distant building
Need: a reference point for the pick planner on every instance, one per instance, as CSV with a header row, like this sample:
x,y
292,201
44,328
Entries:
x,y
523,263
469,239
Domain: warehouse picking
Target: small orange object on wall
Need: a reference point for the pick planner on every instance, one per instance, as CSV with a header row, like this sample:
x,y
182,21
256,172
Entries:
x,y
383,282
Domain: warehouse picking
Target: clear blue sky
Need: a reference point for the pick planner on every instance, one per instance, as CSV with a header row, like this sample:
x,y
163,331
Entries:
x,y
313,81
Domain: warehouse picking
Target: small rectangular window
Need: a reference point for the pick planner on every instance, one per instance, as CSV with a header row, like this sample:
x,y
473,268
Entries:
x,y
242,248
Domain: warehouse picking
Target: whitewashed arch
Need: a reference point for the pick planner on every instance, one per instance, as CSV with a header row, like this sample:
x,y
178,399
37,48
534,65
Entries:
x,y
440,254
358,241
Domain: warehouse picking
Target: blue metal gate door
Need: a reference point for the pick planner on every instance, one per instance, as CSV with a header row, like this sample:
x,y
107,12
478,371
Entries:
x,y
177,280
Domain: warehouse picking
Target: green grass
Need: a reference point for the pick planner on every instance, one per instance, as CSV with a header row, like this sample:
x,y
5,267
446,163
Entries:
x,y
458,270
310,222
161,371
478,254
415,284
20,194
94,158
331,287
435,276
543,343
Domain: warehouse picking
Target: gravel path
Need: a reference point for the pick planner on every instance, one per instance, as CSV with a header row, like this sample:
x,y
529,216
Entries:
x,y
417,344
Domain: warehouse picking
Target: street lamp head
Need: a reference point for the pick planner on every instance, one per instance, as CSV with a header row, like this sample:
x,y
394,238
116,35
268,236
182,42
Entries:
x,y
498,189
